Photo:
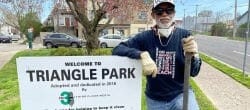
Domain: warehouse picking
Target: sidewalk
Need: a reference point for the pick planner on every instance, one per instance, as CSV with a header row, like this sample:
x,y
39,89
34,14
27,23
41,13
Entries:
x,y
224,92
6,56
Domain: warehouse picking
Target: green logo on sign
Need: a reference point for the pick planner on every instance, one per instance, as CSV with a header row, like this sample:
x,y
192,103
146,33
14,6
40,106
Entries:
x,y
66,98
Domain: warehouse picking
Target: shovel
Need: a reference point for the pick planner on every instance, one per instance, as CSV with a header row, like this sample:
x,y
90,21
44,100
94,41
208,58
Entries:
x,y
188,57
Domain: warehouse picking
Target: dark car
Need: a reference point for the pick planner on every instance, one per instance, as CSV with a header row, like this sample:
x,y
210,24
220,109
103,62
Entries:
x,y
62,39
5,39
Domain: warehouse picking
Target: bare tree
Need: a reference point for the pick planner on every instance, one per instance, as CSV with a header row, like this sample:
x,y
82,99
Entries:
x,y
100,10
12,11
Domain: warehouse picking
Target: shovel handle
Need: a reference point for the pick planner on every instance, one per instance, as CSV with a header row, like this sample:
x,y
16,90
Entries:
x,y
187,70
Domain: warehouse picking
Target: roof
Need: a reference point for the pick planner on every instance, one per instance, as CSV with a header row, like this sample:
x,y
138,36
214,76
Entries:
x,y
245,14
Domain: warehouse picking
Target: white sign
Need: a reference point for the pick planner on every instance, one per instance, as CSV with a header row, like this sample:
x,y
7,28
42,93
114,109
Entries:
x,y
79,83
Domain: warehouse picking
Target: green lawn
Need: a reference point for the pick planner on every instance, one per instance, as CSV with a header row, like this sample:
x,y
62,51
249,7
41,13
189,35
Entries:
x,y
9,92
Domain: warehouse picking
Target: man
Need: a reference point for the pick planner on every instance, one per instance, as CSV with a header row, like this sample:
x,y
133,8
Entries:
x,y
162,53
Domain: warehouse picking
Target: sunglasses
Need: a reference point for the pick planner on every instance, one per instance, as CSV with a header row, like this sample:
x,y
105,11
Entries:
x,y
160,11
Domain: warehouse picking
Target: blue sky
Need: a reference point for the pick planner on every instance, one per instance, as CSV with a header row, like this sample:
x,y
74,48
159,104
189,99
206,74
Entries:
x,y
225,6
46,9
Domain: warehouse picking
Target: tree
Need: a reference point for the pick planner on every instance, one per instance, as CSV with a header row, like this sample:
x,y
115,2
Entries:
x,y
13,11
101,8
241,32
30,20
219,29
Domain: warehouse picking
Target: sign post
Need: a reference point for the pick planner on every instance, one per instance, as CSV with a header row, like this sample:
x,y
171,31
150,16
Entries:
x,y
30,37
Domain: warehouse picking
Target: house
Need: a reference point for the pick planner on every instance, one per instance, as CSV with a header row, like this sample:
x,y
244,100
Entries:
x,y
242,19
63,21
178,23
202,23
8,30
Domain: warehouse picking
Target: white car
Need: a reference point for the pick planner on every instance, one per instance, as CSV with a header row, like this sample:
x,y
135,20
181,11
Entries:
x,y
111,40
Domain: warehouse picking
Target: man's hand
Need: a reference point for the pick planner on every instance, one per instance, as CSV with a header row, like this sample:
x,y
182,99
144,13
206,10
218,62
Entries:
x,y
149,66
189,45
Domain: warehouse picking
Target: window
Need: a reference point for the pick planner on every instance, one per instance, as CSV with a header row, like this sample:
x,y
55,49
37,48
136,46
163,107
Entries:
x,y
120,31
62,36
116,37
72,20
142,15
104,32
141,29
61,21
55,36
58,36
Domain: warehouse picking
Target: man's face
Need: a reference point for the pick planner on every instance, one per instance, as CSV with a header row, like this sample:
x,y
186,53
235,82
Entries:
x,y
163,15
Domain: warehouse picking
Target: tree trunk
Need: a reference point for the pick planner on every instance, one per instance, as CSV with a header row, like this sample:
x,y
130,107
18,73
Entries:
x,y
92,42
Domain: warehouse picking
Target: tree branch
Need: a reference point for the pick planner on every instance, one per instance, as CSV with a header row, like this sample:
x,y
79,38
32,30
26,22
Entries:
x,y
93,5
78,14
105,25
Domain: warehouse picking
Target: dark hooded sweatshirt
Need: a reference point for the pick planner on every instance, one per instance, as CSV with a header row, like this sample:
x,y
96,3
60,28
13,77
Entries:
x,y
169,57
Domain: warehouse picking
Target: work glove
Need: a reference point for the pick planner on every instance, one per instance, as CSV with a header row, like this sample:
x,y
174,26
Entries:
x,y
148,65
189,45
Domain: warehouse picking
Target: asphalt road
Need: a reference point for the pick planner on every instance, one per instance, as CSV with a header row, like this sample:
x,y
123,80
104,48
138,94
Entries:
x,y
228,51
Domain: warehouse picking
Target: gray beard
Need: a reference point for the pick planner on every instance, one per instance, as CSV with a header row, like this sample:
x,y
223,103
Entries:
x,y
163,25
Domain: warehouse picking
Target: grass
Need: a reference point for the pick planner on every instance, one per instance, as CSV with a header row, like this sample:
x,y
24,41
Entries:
x,y
203,102
239,38
230,71
203,33
9,92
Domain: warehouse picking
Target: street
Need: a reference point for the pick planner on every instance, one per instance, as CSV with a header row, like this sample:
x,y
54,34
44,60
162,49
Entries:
x,y
228,51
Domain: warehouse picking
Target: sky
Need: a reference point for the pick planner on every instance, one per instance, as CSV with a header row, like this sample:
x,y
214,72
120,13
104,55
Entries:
x,y
224,6
46,10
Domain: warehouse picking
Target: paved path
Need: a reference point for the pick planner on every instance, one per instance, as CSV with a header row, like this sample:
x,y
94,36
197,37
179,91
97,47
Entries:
x,y
224,92
5,57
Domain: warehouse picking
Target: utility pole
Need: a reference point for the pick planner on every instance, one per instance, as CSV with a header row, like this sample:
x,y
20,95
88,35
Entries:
x,y
195,25
184,22
247,36
235,19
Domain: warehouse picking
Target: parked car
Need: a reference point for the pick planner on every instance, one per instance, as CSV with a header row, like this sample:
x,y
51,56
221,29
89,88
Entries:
x,y
62,39
5,38
15,37
131,36
111,40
